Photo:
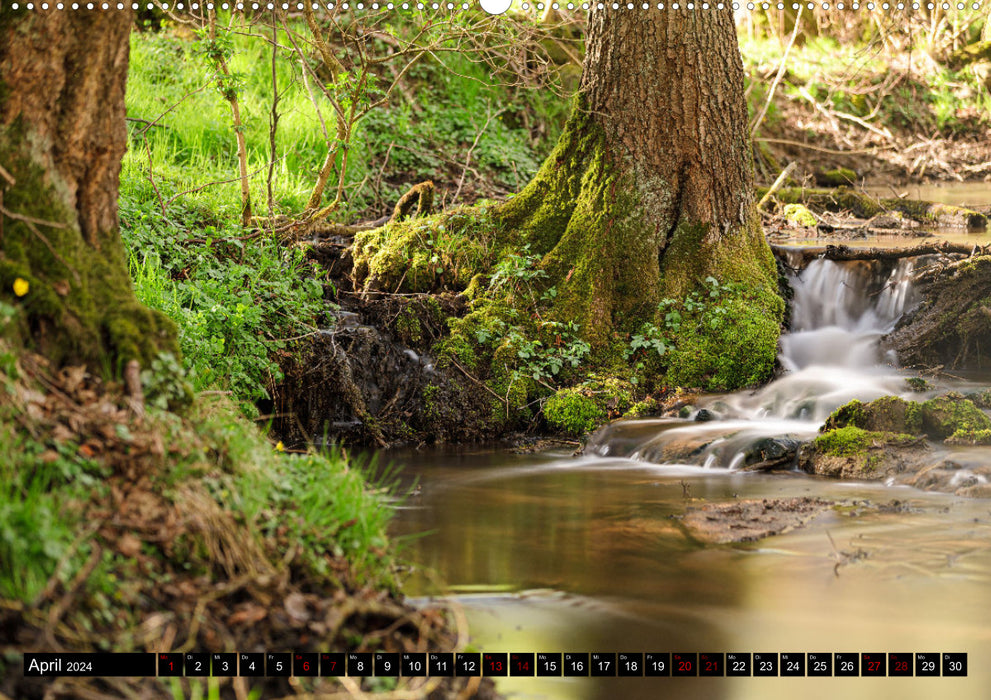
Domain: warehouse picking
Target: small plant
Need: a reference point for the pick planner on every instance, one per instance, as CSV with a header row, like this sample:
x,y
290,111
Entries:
x,y
688,338
165,384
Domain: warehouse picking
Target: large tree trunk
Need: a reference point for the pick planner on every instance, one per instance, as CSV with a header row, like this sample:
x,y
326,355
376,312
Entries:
x,y
62,136
650,188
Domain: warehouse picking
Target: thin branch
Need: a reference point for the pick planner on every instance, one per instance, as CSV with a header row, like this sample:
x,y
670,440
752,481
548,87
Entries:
x,y
777,78
471,150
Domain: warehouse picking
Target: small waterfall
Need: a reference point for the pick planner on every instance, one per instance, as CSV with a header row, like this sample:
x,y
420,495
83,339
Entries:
x,y
839,312
841,309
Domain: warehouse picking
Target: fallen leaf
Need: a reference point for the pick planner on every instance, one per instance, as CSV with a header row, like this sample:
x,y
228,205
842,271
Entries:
x,y
295,605
247,615
129,545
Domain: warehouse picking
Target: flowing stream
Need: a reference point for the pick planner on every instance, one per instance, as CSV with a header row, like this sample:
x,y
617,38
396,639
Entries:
x,y
554,553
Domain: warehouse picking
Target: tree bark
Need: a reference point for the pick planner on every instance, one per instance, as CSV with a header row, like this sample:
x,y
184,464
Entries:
x,y
62,137
650,188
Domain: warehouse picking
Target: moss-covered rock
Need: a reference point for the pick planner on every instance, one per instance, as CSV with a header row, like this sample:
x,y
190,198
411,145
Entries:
x,y
969,437
938,417
799,214
886,414
952,326
853,453
945,415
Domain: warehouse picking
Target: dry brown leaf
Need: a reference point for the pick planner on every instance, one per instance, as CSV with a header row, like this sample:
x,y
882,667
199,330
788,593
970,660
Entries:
x,y
72,378
247,615
295,605
129,545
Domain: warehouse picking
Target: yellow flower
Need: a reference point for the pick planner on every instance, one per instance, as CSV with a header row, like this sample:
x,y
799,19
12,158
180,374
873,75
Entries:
x,y
20,287
279,447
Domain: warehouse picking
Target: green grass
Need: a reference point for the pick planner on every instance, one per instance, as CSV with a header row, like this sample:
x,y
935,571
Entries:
x,y
194,144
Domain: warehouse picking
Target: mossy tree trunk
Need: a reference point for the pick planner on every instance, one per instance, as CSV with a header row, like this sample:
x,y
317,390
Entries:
x,y
62,137
650,188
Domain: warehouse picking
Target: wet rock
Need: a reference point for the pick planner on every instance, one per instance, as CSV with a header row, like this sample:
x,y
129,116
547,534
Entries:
x,y
704,416
853,453
749,520
952,326
772,453
951,476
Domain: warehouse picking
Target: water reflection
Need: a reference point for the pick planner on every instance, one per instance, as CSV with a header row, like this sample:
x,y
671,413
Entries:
x,y
584,556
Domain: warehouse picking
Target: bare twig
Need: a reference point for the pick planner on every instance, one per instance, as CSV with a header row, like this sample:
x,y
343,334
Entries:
x,y
471,150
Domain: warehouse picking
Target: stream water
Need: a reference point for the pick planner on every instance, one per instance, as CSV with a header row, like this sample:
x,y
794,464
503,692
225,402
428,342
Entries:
x,y
554,553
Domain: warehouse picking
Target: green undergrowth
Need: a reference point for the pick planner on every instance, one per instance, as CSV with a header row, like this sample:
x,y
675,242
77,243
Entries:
x,y
511,339
236,300
139,503
423,133
849,77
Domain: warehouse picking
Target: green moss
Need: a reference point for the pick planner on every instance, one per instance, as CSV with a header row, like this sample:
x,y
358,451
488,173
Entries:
x,y
851,441
444,251
572,411
939,417
945,415
580,409
513,388
836,177
886,414
408,328
799,214
918,384
970,437
732,349
80,306
648,407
